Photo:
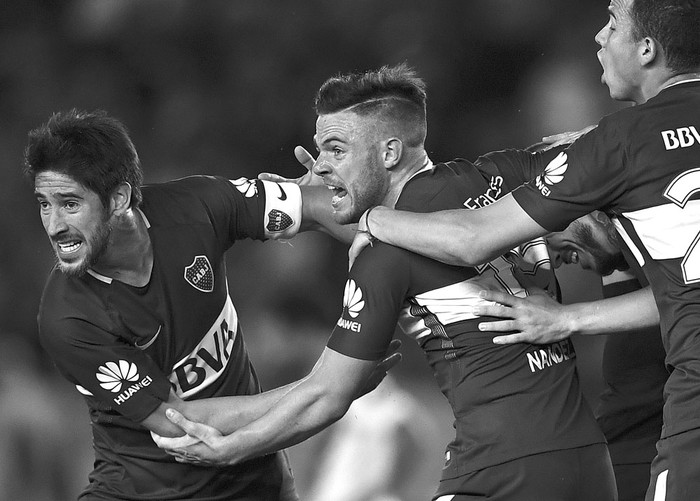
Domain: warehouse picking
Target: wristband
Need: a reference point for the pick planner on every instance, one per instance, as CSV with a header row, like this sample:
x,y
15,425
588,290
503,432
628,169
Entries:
x,y
367,231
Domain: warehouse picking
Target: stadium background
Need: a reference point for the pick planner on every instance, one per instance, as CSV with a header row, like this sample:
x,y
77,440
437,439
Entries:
x,y
226,87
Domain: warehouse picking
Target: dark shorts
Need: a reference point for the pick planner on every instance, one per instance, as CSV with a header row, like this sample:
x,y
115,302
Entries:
x,y
581,474
675,471
632,481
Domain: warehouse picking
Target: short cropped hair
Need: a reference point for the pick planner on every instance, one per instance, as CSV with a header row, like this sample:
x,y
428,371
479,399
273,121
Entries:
x,y
393,94
92,148
675,25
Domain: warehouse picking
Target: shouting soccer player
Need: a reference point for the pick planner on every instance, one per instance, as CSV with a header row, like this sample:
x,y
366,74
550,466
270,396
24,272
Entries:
x,y
523,429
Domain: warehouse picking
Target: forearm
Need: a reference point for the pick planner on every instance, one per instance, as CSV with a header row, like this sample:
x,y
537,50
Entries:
x,y
228,414
632,311
438,235
296,417
463,237
317,214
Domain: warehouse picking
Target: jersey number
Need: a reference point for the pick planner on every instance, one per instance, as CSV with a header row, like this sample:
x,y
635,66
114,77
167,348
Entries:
x,y
679,192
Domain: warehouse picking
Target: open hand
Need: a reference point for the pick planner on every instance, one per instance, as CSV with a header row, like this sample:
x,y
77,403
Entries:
x,y
307,179
537,319
391,358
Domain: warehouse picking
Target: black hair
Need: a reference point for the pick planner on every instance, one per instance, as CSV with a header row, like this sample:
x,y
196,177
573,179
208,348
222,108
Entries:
x,y
395,94
92,148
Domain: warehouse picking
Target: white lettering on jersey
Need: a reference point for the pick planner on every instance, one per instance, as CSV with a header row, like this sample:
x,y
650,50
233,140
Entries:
x,y
352,304
550,355
209,359
491,195
683,137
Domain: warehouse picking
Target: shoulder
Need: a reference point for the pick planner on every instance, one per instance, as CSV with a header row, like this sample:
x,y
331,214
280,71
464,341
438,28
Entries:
x,y
66,303
446,186
184,199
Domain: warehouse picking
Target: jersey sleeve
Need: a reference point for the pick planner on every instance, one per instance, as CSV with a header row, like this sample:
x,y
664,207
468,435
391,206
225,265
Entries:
x,y
116,375
372,300
244,208
586,176
515,166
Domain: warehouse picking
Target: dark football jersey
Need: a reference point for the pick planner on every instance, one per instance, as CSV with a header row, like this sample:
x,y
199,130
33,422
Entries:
x,y
509,401
126,347
630,407
642,166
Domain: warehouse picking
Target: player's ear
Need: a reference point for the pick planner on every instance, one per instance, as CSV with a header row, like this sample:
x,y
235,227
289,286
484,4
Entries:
x,y
648,50
120,200
392,152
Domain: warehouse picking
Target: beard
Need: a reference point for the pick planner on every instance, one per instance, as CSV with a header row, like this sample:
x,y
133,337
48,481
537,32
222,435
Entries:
x,y
96,246
604,261
368,190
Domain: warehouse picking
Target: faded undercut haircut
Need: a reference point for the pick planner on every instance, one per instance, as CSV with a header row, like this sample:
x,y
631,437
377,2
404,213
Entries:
x,y
92,148
392,94
675,25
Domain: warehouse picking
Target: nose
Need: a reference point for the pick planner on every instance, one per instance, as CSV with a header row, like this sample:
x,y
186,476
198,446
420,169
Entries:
x,y
321,166
600,36
54,223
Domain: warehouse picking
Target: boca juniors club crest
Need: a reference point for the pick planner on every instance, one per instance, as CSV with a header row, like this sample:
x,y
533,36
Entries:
x,y
200,274
278,221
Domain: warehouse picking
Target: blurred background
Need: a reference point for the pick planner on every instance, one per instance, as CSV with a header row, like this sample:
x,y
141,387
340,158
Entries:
x,y
226,87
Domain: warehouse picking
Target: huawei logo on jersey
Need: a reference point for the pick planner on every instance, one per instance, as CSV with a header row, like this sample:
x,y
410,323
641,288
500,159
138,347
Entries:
x,y
114,376
553,173
352,298
353,304
245,186
200,274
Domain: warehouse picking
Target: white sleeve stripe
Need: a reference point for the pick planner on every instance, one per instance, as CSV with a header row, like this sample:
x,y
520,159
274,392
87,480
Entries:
x,y
628,240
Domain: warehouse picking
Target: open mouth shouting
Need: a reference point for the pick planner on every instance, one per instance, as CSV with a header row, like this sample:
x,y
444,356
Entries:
x,y
339,194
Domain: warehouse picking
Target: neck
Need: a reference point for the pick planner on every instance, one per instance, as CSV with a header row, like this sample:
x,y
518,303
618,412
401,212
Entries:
x,y
415,164
129,256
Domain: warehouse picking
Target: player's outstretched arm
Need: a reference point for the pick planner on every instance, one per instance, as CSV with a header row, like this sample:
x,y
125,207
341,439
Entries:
x,y
460,237
317,401
540,319
317,213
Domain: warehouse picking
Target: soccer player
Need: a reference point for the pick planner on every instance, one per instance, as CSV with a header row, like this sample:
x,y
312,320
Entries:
x,y
137,312
523,429
639,165
630,407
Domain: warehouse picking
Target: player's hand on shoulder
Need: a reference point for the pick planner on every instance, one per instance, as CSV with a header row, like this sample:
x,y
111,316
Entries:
x,y
537,319
565,137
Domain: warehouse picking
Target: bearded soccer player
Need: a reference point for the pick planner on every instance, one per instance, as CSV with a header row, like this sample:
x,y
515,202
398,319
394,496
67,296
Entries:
x,y
137,312
523,429
639,165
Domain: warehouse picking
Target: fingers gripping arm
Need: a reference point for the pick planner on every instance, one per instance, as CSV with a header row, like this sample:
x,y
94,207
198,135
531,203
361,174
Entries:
x,y
315,402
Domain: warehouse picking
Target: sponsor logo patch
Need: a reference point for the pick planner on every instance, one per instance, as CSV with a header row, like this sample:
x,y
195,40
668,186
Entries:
x,y
200,274
553,174
683,137
115,376
245,186
353,304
